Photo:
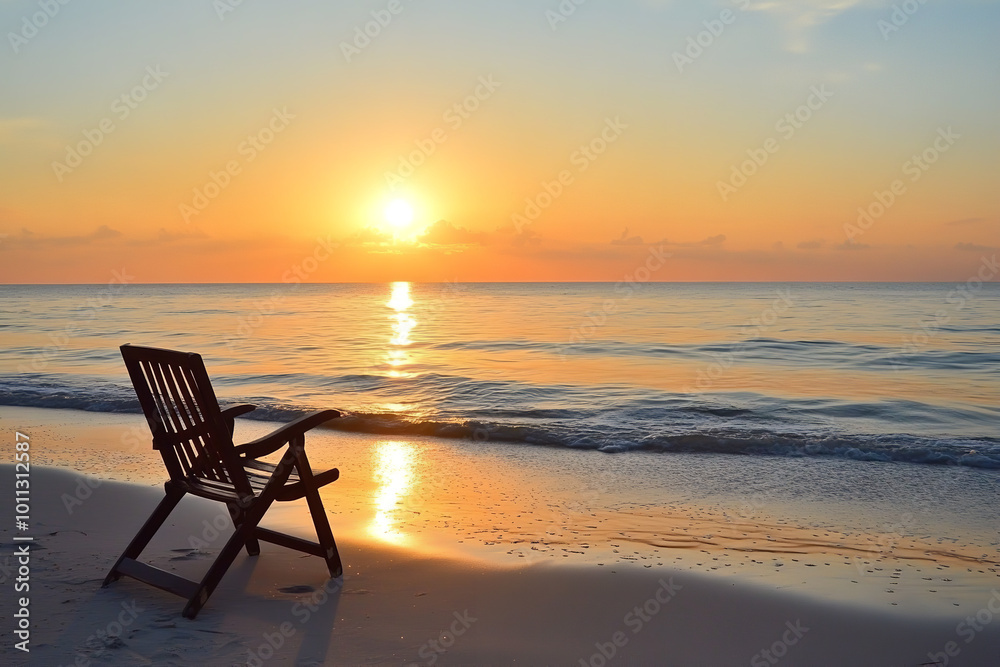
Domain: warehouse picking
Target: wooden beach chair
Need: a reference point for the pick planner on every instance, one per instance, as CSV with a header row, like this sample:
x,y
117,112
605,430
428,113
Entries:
x,y
195,438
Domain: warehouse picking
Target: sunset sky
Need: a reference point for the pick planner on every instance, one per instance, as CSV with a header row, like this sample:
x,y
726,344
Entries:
x,y
501,140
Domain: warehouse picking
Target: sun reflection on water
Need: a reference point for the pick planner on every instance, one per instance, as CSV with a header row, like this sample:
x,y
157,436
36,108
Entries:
x,y
400,299
393,472
397,357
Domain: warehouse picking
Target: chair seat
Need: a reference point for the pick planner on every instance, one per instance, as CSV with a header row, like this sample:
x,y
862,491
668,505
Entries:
x,y
259,473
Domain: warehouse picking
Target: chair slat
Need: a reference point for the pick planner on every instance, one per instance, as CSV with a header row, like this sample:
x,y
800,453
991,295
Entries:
x,y
184,457
171,416
187,454
215,465
181,399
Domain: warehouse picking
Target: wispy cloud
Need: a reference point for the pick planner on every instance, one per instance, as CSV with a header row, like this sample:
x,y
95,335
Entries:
x,y
625,239
28,240
799,17
851,245
716,240
444,233
972,221
975,247
14,129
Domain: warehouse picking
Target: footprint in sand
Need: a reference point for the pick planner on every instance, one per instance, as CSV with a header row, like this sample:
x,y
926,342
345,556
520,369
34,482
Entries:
x,y
297,590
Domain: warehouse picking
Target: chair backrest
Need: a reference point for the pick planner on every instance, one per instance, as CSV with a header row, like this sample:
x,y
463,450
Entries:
x,y
184,417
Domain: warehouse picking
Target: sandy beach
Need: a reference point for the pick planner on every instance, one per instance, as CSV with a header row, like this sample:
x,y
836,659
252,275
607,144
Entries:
x,y
440,590
619,333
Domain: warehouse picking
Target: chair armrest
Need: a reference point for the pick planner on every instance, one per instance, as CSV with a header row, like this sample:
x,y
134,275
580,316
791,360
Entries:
x,y
230,415
274,441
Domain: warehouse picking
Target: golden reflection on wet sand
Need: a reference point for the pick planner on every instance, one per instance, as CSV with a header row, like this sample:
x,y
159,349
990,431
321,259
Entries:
x,y
393,472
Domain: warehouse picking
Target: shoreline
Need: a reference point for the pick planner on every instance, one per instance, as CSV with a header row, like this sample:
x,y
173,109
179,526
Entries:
x,y
547,567
399,607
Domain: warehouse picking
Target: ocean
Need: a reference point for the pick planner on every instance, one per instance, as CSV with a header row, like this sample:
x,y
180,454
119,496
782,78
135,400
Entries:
x,y
890,372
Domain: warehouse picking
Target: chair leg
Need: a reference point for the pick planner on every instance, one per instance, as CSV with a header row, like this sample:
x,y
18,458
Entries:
x,y
147,531
219,568
238,516
324,533
320,520
249,518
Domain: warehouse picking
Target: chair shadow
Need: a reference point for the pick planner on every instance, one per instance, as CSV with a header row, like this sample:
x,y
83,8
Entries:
x,y
303,618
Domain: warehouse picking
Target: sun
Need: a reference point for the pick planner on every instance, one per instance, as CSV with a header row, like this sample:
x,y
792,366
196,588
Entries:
x,y
399,213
